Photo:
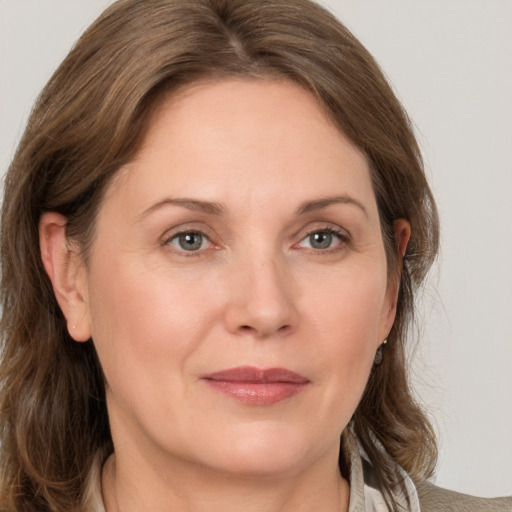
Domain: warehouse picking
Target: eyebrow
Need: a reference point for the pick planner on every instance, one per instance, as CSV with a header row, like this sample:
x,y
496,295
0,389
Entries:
x,y
208,207
318,204
218,209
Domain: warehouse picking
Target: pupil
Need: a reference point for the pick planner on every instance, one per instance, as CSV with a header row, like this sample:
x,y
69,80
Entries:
x,y
321,240
190,241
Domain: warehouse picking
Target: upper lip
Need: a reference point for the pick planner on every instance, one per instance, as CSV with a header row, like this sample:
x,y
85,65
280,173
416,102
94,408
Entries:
x,y
257,375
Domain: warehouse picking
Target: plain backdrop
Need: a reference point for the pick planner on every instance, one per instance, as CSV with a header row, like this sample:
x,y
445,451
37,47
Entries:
x,y
450,62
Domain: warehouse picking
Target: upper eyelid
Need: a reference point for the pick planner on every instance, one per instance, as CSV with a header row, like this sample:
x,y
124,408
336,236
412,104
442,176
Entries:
x,y
187,232
321,226
336,232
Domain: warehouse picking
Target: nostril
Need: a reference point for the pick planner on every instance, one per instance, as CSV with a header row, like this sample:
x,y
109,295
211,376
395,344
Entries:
x,y
262,332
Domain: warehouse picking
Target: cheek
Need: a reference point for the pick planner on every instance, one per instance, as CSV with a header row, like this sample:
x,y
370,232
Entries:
x,y
146,321
345,322
350,304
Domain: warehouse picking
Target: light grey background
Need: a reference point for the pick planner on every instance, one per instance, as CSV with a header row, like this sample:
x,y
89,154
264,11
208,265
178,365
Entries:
x,y
450,63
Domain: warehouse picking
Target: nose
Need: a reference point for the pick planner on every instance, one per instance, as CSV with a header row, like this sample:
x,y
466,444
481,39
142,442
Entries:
x,y
261,300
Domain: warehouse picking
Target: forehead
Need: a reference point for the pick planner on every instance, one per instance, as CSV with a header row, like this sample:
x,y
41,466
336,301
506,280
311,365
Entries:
x,y
245,140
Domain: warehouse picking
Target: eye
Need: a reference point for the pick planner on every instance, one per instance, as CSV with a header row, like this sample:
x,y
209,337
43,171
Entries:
x,y
190,241
322,239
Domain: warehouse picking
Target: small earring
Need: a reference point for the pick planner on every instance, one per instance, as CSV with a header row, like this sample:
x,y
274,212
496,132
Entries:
x,y
378,354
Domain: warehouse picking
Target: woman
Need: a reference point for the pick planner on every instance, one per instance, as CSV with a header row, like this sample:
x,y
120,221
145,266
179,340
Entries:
x,y
206,299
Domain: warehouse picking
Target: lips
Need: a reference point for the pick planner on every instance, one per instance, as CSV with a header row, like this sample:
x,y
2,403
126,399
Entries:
x,y
255,386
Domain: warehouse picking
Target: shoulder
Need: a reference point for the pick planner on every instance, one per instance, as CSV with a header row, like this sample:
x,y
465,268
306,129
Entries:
x,y
437,499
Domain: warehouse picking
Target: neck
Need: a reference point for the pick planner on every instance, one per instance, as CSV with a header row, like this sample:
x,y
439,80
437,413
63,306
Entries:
x,y
131,485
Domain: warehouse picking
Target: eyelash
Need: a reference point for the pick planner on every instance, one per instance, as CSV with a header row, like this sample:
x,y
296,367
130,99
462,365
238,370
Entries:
x,y
342,237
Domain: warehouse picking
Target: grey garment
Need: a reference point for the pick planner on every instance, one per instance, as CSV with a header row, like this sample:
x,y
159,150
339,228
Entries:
x,y
436,499
365,495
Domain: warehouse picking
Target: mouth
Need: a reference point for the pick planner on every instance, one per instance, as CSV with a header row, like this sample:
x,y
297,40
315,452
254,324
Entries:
x,y
256,386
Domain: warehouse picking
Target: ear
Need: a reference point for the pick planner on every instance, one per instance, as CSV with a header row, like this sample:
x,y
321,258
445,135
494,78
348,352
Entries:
x,y
402,230
67,274
402,234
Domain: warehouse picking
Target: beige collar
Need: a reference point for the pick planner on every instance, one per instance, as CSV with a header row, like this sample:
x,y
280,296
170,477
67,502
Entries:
x,y
365,495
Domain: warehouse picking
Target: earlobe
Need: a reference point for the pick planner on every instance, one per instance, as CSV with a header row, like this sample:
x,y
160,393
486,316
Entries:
x,y
67,274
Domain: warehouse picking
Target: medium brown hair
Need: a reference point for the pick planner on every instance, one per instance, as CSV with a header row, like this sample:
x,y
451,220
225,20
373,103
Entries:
x,y
88,123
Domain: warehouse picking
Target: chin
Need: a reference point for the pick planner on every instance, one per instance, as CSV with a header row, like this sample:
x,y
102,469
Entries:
x,y
271,451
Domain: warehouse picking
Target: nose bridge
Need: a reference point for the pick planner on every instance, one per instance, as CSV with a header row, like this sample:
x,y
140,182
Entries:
x,y
262,301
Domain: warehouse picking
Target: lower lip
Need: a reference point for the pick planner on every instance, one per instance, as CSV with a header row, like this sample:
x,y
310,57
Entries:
x,y
257,393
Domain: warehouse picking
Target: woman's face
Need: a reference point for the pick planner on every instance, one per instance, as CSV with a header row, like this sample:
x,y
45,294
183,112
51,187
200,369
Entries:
x,y
237,287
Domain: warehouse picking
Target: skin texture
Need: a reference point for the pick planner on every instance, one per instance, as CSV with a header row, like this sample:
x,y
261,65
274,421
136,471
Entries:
x,y
256,292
